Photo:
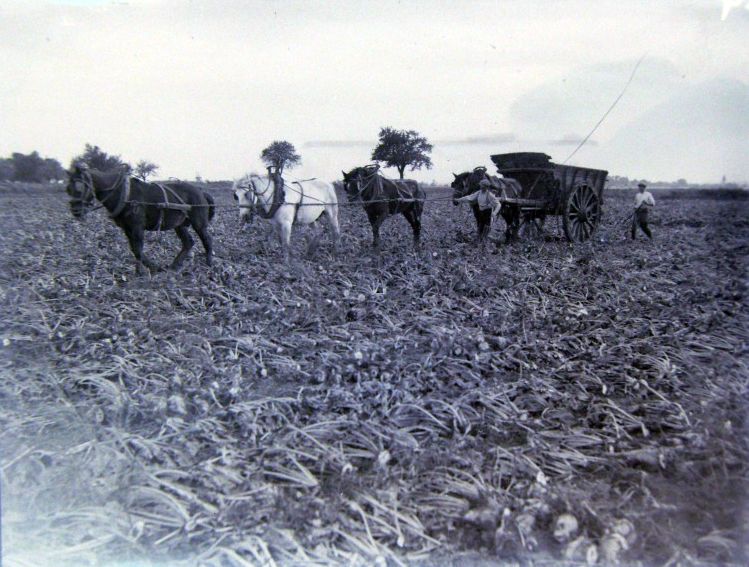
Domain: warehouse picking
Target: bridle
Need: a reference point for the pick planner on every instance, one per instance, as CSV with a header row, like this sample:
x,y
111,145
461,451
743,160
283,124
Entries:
x,y
252,189
368,181
84,198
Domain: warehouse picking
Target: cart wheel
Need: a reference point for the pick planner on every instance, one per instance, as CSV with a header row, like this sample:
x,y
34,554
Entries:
x,y
582,214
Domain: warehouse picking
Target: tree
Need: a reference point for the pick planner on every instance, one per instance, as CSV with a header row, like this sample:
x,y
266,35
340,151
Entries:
x,y
281,154
96,158
31,168
145,168
51,170
401,148
27,167
7,171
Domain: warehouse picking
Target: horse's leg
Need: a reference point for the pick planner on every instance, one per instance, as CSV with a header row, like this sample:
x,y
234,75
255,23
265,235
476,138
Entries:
x,y
376,231
418,208
313,240
513,229
207,241
413,220
285,234
199,220
332,216
135,239
511,216
187,244
375,220
515,226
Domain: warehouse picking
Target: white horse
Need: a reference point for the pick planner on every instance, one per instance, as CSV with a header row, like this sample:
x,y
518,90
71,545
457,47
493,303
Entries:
x,y
303,202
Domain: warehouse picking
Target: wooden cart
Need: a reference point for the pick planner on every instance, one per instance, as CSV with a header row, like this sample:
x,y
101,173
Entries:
x,y
575,193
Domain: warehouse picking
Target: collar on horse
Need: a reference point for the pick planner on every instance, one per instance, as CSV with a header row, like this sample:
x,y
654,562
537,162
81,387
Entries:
x,y
278,197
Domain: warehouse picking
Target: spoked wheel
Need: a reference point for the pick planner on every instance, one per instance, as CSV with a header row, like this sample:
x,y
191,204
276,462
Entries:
x,y
582,214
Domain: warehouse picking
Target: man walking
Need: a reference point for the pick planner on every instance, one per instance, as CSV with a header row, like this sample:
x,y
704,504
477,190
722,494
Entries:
x,y
643,201
488,206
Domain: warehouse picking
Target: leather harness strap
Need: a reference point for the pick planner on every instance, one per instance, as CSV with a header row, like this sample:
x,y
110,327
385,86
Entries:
x,y
164,189
123,200
278,199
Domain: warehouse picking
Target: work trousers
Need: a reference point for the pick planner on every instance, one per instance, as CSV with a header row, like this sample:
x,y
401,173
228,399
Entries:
x,y
640,220
484,219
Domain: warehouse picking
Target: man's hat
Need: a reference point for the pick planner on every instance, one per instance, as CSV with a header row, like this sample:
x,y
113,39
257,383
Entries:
x,y
641,185
485,183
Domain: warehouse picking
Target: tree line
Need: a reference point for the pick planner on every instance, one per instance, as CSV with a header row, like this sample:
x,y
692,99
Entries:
x,y
33,168
395,148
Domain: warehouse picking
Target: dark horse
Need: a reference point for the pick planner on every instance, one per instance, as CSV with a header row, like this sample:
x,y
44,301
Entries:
x,y
384,197
136,206
468,182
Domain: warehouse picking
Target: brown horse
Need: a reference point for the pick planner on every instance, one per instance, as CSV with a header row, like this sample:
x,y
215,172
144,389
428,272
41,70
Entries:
x,y
136,206
383,197
468,182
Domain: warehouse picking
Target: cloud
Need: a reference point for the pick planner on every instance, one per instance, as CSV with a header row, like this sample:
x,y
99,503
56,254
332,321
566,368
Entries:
x,y
338,143
577,99
701,133
204,86
502,138
730,6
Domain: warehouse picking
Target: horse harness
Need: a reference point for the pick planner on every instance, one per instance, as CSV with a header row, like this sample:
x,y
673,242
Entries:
x,y
123,200
378,192
279,197
181,205
89,193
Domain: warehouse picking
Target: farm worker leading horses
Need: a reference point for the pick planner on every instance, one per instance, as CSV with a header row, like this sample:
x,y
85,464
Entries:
x,y
643,201
488,203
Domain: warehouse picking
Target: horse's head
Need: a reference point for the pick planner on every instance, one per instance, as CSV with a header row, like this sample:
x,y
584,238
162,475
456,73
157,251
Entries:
x,y
246,197
81,190
356,180
459,185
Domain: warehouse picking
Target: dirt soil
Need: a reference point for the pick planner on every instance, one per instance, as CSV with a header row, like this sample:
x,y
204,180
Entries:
x,y
548,404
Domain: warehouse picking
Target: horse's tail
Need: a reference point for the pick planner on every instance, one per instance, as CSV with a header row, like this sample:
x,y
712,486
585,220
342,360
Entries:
x,y
211,205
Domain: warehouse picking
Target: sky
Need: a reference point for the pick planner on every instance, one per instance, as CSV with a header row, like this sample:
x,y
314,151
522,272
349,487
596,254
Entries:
x,y
201,87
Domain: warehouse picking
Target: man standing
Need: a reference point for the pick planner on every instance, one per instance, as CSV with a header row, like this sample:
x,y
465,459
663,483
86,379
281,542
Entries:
x,y
643,201
488,205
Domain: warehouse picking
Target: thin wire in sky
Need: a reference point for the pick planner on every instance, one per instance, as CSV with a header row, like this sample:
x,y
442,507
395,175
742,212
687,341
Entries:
x,y
621,94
